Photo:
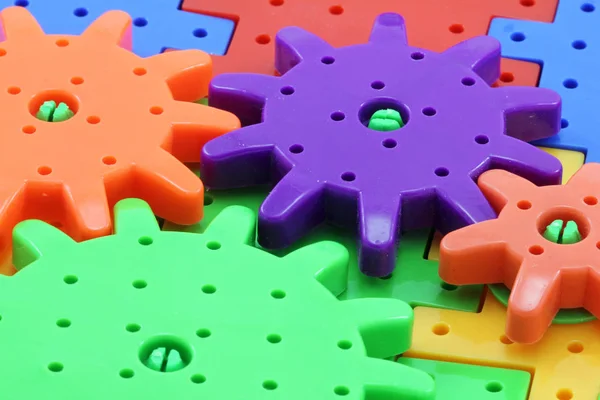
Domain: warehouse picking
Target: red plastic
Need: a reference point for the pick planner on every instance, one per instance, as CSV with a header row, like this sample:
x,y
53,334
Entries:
x,y
431,24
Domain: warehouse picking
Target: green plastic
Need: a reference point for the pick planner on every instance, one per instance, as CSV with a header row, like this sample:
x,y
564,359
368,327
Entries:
x,y
164,359
81,320
571,233
51,112
562,233
386,120
415,279
564,316
553,231
472,382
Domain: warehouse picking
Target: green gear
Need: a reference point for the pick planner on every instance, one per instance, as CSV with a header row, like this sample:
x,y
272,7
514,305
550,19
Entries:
x,y
158,315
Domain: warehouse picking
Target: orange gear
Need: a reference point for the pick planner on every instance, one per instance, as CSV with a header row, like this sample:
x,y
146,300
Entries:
x,y
543,274
131,128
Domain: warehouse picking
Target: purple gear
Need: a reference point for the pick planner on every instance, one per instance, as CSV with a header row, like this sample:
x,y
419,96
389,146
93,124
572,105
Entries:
x,y
313,142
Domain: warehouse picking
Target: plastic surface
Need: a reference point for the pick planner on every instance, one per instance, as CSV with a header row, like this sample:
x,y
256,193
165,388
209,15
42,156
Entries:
x,y
126,139
571,162
431,24
564,316
565,364
454,381
569,53
543,276
415,280
232,321
406,179
157,24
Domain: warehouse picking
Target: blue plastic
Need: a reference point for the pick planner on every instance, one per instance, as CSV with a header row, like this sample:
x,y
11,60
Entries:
x,y
157,24
569,52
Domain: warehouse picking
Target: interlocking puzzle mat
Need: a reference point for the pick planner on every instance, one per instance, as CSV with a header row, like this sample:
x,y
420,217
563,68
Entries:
x,y
459,349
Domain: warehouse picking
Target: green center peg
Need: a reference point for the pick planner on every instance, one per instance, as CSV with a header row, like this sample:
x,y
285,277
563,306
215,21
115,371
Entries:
x,y
165,360
386,120
51,112
562,233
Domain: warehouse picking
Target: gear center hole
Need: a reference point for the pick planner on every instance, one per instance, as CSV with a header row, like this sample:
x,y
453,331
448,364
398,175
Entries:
x,y
383,114
54,106
165,353
563,225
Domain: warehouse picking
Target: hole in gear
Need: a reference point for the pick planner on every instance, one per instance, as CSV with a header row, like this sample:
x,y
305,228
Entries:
x,y
563,225
53,106
165,353
383,114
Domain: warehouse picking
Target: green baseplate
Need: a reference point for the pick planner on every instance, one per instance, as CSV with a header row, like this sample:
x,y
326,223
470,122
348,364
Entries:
x,y
151,314
415,280
455,381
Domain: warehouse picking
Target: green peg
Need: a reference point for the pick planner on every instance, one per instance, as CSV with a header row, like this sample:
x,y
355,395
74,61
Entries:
x,y
155,360
173,362
571,233
562,233
51,112
386,120
554,230
165,360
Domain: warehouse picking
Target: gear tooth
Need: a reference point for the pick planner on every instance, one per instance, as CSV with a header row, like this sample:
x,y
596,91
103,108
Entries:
x,y
112,27
33,239
328,261
134,216
290,210
87,209
531,113
234,224
172,190
379,232
187,72
394,381
18,24
194,125
481,54
225,158
389,27
586,177
243,94
385,325
294,44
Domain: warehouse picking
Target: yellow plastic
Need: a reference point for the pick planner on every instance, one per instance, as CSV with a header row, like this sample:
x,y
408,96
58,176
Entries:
x,y
565,364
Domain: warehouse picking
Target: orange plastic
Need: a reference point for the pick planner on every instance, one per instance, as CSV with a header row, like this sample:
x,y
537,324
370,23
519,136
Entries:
x,y
544,276
432,24
132,129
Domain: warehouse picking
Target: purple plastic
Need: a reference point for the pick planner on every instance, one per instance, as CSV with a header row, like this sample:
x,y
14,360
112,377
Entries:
x,y
312,141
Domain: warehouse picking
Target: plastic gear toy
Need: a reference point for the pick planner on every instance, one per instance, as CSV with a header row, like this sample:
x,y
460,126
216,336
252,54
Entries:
x,y
314,137
543,246
179,315
75,142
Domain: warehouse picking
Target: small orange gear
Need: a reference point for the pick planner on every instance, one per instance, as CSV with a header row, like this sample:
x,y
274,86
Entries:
x,y
544,246
129,126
